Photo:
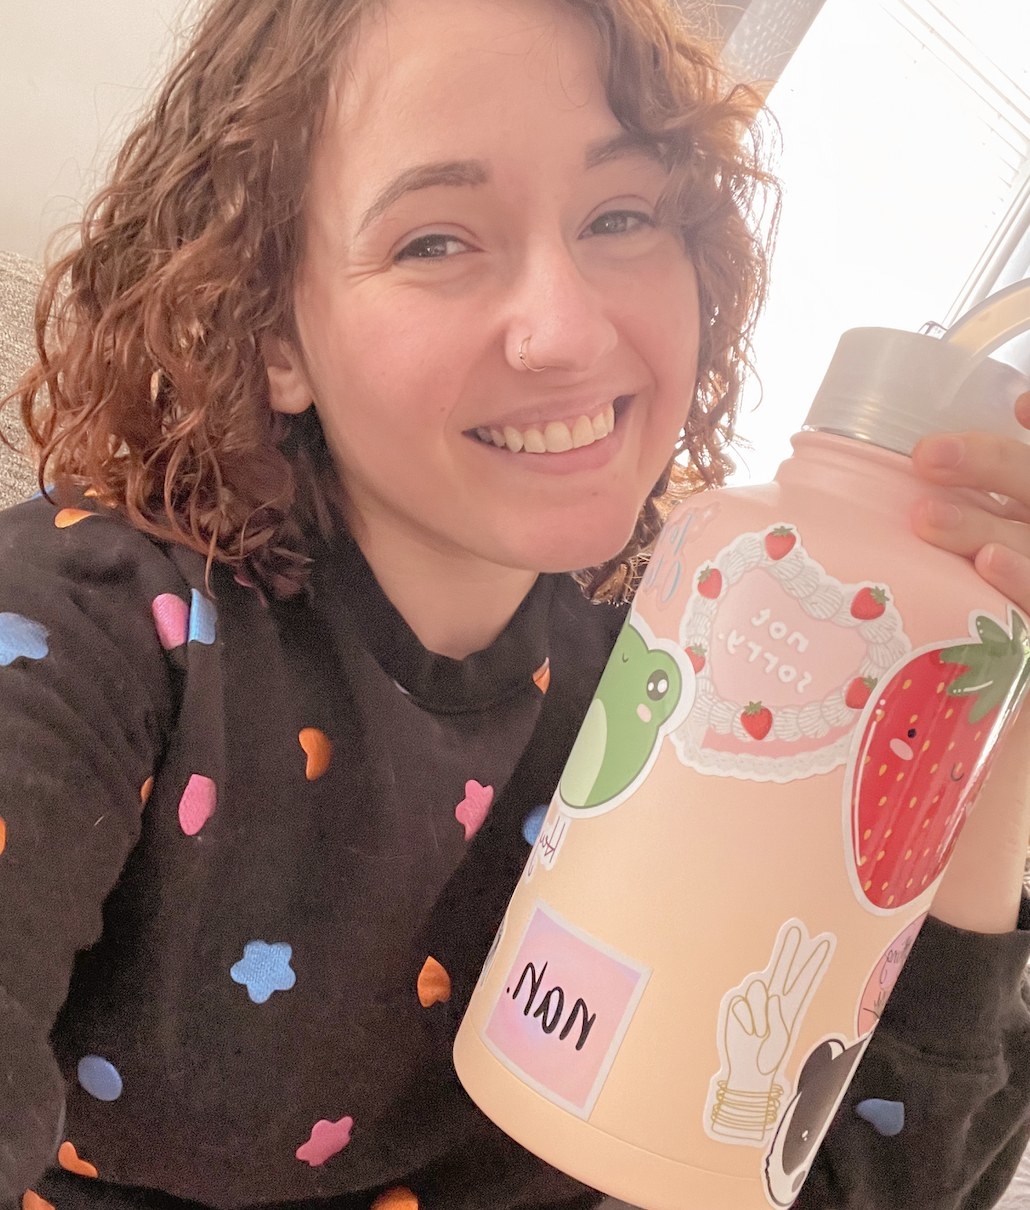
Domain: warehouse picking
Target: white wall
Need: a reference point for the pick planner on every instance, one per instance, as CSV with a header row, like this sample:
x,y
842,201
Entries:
x,y
72,75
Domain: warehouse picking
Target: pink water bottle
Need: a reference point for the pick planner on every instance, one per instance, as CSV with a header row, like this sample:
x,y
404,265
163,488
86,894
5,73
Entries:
x,y
760,804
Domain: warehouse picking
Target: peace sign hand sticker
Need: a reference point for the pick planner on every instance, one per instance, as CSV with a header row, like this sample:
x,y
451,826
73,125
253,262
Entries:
x,y
758,1023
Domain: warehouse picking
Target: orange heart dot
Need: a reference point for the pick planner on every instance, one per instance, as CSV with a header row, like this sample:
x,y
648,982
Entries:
x,y
397,1198
542,676
146,790
32,1201
71,516
434,984
69,1160
3,834
318,749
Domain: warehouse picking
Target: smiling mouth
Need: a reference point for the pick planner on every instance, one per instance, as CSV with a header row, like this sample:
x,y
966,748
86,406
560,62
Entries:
x,y
555,437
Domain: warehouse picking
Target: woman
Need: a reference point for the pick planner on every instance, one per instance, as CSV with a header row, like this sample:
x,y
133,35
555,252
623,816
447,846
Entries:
x,y
391,316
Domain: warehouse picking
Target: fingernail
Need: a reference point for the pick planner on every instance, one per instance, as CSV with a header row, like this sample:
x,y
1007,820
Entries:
x,y
945,453
1000,560
942,515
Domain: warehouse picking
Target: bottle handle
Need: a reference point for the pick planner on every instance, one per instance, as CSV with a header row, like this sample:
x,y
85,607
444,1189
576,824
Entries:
x,y
992,322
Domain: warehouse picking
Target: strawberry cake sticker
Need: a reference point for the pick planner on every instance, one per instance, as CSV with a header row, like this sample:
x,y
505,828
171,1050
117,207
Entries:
x,y
785,658
921,752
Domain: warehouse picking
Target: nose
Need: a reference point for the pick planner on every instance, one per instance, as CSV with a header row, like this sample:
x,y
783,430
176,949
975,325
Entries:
x,y
559,319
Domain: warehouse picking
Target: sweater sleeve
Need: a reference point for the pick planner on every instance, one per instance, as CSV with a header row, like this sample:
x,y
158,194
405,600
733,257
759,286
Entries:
x,y
86,695
953,1050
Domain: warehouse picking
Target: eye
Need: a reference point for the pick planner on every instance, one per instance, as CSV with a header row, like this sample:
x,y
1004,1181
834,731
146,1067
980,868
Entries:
x,y
431,247
619,222
912,733
657,686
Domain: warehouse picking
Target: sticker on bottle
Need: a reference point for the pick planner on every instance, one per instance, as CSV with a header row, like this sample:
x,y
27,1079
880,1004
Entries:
x,y
563,1011
785,657
758,1023
880,983
920,753
646,690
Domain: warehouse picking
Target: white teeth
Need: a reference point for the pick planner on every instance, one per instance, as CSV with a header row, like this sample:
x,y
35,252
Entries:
x,y
556,437
583,433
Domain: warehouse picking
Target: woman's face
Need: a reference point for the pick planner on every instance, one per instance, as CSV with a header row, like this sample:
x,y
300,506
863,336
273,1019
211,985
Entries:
x,y
471,191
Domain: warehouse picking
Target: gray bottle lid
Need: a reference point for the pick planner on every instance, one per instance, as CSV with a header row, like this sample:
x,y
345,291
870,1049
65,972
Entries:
x,y
891,388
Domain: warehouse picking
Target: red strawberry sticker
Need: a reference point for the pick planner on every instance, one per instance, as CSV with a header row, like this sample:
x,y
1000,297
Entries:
x,y
757,720
697,654
780,541
857,693
869,603
709,582
922,755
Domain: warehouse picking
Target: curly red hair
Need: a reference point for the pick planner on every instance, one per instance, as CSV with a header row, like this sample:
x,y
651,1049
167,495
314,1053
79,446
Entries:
x,y
150,384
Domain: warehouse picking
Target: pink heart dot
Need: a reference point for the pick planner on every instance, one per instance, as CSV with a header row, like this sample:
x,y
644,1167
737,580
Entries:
x,y
197,804
171,617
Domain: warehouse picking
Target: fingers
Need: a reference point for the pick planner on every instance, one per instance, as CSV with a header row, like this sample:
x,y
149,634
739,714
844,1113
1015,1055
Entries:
x,y
965,526
991,529
1000,465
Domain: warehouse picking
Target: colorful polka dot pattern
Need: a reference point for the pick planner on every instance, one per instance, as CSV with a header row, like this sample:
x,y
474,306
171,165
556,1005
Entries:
x,y
434,984
327,1139
264,969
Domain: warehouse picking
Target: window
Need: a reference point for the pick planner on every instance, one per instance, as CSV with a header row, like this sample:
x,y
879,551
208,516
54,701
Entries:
x,y
906,168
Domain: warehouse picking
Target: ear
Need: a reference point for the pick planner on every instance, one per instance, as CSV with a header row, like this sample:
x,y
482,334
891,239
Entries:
x,y
289,390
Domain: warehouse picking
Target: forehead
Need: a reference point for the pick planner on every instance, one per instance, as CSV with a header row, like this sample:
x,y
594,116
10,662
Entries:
x,y
424,71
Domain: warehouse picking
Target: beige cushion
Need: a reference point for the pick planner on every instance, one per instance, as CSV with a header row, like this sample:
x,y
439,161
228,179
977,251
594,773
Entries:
x,y
19,282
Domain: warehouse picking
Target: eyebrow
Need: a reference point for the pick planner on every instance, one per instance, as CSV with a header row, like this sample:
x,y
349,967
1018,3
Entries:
x,y
425,176
475,172
620,146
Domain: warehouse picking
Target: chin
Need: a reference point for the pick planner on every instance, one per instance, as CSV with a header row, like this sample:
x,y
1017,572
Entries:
x,y
579,551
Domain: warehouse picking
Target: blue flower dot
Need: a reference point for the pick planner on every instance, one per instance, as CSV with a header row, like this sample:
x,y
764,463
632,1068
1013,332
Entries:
x,y
264,969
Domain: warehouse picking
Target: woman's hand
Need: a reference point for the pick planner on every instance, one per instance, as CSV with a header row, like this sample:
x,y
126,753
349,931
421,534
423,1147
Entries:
x,y
981,888
996,537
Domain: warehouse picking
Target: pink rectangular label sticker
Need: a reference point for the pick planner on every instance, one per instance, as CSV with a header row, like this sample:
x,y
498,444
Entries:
x,y
563,1011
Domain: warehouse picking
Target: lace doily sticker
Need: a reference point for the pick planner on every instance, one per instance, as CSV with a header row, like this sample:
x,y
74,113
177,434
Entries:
x,y
785,657
563,1010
